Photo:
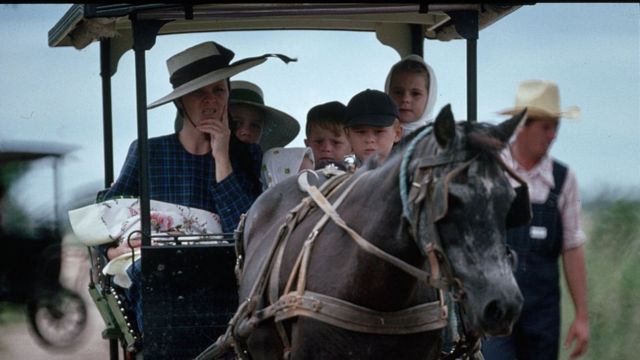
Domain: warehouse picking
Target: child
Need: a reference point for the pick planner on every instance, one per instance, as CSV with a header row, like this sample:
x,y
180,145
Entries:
x,y
372,125
256,123
411,83
280,163
325,133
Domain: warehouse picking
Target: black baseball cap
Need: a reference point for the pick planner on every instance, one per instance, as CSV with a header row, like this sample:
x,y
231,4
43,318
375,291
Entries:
x,y
330,110
372,108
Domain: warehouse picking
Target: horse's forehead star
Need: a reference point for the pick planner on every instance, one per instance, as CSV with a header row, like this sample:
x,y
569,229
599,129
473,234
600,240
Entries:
x,y
488,185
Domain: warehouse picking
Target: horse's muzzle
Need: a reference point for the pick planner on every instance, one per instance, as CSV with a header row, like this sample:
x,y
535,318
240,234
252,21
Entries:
x,y
500,314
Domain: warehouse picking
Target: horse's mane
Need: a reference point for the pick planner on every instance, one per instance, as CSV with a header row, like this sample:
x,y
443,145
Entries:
x,y
477,134
479,138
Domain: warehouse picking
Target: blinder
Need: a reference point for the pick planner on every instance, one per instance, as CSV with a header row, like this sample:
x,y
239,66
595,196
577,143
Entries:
x,y
520,211
440,194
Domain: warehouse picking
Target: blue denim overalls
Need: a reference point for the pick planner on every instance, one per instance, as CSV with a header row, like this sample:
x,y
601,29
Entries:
x,y
536,333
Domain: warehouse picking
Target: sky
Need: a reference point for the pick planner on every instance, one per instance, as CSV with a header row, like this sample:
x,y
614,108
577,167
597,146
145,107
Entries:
x,y
592,51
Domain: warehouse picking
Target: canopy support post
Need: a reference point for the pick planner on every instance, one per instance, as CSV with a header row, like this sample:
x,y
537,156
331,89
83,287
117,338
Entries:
x,y
107,110
466,24
144,37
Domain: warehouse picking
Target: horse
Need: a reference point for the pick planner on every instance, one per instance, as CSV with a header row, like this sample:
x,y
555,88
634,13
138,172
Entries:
x,y
358,271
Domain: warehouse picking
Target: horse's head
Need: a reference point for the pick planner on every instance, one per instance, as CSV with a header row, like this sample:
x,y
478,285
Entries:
x,y
462,202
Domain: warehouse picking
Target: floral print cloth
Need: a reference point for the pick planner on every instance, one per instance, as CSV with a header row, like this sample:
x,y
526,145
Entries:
x,y
119,219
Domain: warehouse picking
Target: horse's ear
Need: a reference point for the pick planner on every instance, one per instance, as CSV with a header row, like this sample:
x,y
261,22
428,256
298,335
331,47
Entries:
x,y
444,127
505,129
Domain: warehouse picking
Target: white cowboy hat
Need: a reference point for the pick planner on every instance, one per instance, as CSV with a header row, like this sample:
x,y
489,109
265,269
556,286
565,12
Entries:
x,y
542,99
279,128
202,65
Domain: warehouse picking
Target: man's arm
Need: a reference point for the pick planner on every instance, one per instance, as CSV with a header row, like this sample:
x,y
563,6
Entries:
x,y
576,276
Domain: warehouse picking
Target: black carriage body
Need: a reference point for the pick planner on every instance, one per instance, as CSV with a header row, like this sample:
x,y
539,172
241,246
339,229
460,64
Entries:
x,y
30,259
29,266
189,297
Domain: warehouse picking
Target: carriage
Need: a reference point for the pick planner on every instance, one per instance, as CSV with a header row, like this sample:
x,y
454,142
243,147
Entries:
x,y
31,260
192,326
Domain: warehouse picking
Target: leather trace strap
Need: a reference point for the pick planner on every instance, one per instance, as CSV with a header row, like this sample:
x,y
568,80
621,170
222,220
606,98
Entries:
x,y
346,315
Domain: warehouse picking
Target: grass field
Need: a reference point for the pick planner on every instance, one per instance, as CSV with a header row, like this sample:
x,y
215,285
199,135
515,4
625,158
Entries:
x,y
613,278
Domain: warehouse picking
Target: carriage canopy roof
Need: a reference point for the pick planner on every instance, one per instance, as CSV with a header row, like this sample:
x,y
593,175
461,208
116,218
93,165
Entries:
x,y
85,23
32,150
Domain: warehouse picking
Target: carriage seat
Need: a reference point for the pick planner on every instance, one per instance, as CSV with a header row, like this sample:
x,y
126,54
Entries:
x,y
182,309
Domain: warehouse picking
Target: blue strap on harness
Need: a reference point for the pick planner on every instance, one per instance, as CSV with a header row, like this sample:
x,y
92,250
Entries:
x,y
406,157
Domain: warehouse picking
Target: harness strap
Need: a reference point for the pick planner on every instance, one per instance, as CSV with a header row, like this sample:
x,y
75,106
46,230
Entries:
x,y
346,315
324,204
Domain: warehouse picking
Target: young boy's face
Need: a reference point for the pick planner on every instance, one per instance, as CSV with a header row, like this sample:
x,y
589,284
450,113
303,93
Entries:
x,y
326,146
370,140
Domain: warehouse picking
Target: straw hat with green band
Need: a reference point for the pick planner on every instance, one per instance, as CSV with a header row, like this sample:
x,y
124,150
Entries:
x,y
279,128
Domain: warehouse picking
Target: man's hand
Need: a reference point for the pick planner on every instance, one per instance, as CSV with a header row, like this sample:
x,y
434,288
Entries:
x,y
578,333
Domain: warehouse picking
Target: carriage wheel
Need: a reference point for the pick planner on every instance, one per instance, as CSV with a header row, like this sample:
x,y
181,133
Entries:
x,y
58,319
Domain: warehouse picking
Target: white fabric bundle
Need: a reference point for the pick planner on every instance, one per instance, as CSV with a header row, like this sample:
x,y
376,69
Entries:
x,y
116,219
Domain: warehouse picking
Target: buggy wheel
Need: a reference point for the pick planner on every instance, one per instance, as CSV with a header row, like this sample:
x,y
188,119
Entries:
x,y
58,319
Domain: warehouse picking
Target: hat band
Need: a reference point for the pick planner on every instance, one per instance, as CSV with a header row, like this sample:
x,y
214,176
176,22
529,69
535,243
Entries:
x,y
246,95
197,69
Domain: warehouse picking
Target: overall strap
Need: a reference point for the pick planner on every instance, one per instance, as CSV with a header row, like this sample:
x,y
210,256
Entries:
x,y
559,175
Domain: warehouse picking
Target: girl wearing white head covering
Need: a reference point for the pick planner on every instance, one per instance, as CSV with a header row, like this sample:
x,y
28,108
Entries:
x,y
279,163
412,84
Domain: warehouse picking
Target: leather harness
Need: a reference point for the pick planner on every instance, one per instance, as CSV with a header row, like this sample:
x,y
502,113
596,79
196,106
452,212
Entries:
x,y
297,301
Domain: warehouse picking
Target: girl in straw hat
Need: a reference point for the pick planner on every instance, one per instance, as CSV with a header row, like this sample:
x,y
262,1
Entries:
x,y
256,123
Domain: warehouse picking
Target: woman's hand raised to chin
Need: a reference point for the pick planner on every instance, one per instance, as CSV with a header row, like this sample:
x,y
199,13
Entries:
x,y
220,134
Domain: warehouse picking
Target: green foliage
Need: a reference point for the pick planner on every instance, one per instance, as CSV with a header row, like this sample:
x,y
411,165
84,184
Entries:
x,y
613,276
11,313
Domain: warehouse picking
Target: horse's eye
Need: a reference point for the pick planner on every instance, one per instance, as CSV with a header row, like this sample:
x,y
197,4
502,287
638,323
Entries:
x,y
455,201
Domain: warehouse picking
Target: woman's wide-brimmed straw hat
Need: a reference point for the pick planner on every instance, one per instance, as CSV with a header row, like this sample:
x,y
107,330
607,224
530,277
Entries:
x,y
279,127
542,99
202,65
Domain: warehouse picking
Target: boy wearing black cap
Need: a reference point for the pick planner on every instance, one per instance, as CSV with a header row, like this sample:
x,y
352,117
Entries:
x,y
372,125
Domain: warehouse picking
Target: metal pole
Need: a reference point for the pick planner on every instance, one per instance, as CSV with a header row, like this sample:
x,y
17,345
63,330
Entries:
x,y
143,149
417,39
56,197
466,24
472,80
107,115
144,35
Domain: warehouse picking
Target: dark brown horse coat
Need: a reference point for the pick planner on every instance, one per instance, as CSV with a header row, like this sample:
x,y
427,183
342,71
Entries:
x,y
471,232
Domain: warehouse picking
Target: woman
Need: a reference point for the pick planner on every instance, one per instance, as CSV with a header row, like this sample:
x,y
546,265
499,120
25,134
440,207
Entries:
x,y
203,165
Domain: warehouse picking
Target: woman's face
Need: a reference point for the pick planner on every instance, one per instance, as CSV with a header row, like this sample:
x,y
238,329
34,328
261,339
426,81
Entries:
x,y
208,102
249,122
409,91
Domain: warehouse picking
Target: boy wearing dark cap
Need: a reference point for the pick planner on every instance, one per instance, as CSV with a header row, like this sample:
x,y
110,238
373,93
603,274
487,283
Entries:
x,y
372,125
325,133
